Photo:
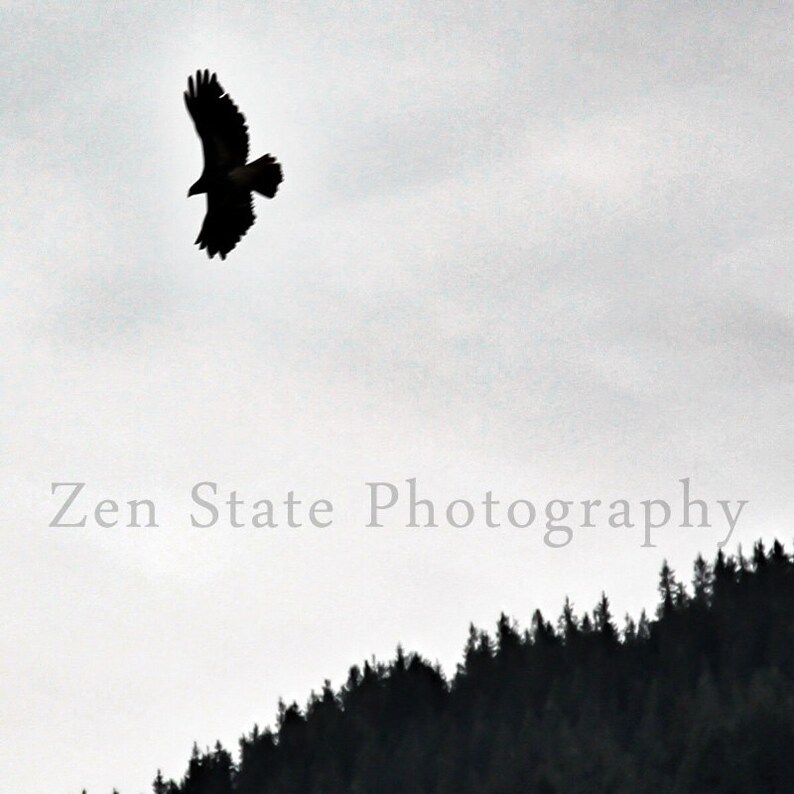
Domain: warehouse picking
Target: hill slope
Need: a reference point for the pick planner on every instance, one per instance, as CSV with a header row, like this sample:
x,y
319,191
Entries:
x,y
699,699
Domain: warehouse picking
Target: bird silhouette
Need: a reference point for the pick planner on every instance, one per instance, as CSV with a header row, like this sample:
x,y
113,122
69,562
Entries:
x,y
227,179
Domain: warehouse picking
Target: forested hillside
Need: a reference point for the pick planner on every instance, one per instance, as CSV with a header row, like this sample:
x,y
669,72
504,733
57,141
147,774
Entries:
x,y
699,698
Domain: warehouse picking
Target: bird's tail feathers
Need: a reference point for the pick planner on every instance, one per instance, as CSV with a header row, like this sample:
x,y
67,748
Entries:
x,y
267,175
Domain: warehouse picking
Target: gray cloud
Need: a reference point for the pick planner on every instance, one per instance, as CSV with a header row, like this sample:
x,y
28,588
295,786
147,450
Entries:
x,y
541,250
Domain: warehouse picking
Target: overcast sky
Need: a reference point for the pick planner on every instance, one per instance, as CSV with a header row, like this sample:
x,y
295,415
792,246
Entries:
x,y
541,250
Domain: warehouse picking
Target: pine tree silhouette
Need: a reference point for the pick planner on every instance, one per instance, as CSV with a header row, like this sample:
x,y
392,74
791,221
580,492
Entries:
x,y
699,700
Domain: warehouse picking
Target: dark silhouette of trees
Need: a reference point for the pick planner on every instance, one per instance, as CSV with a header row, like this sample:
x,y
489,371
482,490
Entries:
x,y
699,700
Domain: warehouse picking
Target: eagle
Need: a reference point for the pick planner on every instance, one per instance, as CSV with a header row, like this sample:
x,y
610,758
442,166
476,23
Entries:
x,y
227,178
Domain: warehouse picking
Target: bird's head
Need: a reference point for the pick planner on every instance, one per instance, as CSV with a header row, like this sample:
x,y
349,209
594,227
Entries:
x,y
196,188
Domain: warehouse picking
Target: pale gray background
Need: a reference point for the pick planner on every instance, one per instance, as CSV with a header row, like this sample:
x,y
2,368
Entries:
x,y
539,248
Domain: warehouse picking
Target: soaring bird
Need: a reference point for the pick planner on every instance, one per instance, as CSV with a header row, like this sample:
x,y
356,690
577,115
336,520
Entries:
x,y
227,178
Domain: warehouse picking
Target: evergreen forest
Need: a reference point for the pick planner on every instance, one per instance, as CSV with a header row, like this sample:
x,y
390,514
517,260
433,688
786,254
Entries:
x,y
698,697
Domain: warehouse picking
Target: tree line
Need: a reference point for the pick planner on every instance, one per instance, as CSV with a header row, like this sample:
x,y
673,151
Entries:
x,y
696,698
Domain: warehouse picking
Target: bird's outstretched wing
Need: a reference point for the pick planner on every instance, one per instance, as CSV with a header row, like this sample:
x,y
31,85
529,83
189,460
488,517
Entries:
x,y
219,124
229,216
